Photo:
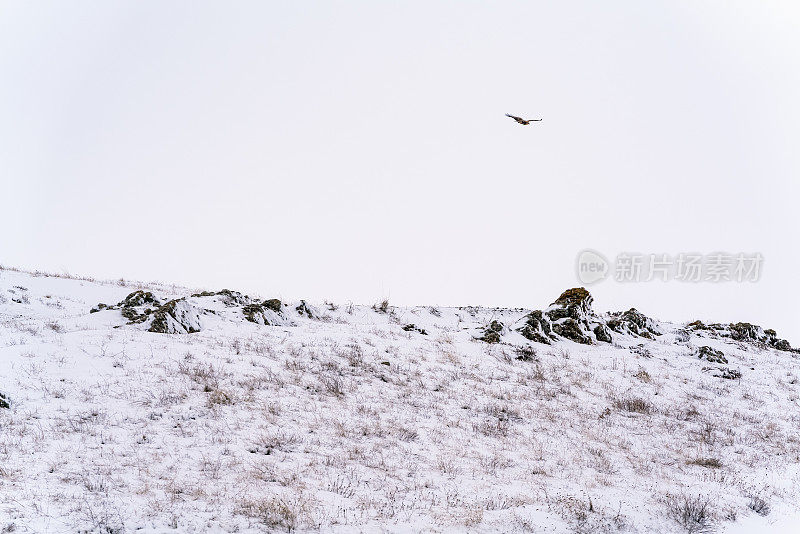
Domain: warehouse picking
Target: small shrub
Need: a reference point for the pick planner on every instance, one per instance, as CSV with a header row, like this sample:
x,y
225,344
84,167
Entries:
x,y
526,353
643,375
406,434
503,357
713,463
333,385
272,512
633,405
55,327
342,486
492,427
758,505
354,355
706,433
502,411
693,514
728,374
274,441
641,350
219,397
205,375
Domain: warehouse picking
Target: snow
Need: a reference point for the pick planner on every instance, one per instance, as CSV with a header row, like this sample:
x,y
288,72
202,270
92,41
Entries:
x,y
345,422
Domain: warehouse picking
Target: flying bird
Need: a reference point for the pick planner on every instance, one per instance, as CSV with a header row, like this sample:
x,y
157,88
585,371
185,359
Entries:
x,y
522,121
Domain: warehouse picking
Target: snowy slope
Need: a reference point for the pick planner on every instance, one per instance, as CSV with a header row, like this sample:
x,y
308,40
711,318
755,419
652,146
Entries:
x,y
275,416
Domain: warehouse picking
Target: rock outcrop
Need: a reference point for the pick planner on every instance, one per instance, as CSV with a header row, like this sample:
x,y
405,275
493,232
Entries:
x,y
711,355
571,316
265,313
537,328
177,317
185,315
634,322
753,333
273,304
744,332
492,332
305,309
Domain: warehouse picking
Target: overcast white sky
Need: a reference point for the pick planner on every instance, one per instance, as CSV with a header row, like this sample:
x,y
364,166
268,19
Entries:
x,y
357,150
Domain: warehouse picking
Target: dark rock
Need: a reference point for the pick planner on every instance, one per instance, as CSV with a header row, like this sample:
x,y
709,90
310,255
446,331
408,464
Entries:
x,y
572,317
305,309
602,333
233,298
774,341
139,298
490,337
577,296
493,332
711,355
682,335
743,332
131,306
634,322
414,328
495,326
255,314
176,317
273,304
5,401
182,316
133,316
571,329
782,344
751,333
746,332
537,328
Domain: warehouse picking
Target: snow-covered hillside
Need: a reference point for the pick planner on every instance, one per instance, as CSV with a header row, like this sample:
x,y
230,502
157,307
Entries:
x,y
129,408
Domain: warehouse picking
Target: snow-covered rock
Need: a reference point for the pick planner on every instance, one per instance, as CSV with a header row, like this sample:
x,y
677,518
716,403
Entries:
x,y
635,323
744,332
711,355
185,315
571,316
177,317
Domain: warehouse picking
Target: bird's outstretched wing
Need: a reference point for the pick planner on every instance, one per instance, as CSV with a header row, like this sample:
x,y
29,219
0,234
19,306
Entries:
x,y
514,117
534,120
